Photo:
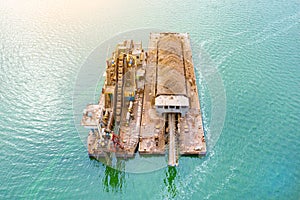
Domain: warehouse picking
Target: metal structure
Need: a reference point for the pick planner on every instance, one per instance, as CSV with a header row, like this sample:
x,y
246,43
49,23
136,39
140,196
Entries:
x,y
149,102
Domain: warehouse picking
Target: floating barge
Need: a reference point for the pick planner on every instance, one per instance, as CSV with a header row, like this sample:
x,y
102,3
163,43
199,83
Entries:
x,y
149,103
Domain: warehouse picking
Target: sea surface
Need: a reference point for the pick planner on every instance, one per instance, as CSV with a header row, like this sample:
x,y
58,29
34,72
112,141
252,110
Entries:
x,y
254,46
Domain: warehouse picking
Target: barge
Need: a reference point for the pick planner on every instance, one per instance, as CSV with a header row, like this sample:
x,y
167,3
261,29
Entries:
x,y
149,102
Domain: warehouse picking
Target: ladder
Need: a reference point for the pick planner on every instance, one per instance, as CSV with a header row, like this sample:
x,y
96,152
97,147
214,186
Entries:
x,y
119,93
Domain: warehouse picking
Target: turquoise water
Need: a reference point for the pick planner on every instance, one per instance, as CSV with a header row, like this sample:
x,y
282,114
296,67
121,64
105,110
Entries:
x,y
254,45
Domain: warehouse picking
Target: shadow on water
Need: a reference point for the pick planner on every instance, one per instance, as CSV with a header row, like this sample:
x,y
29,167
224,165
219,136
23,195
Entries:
x,y
171,173
113,179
